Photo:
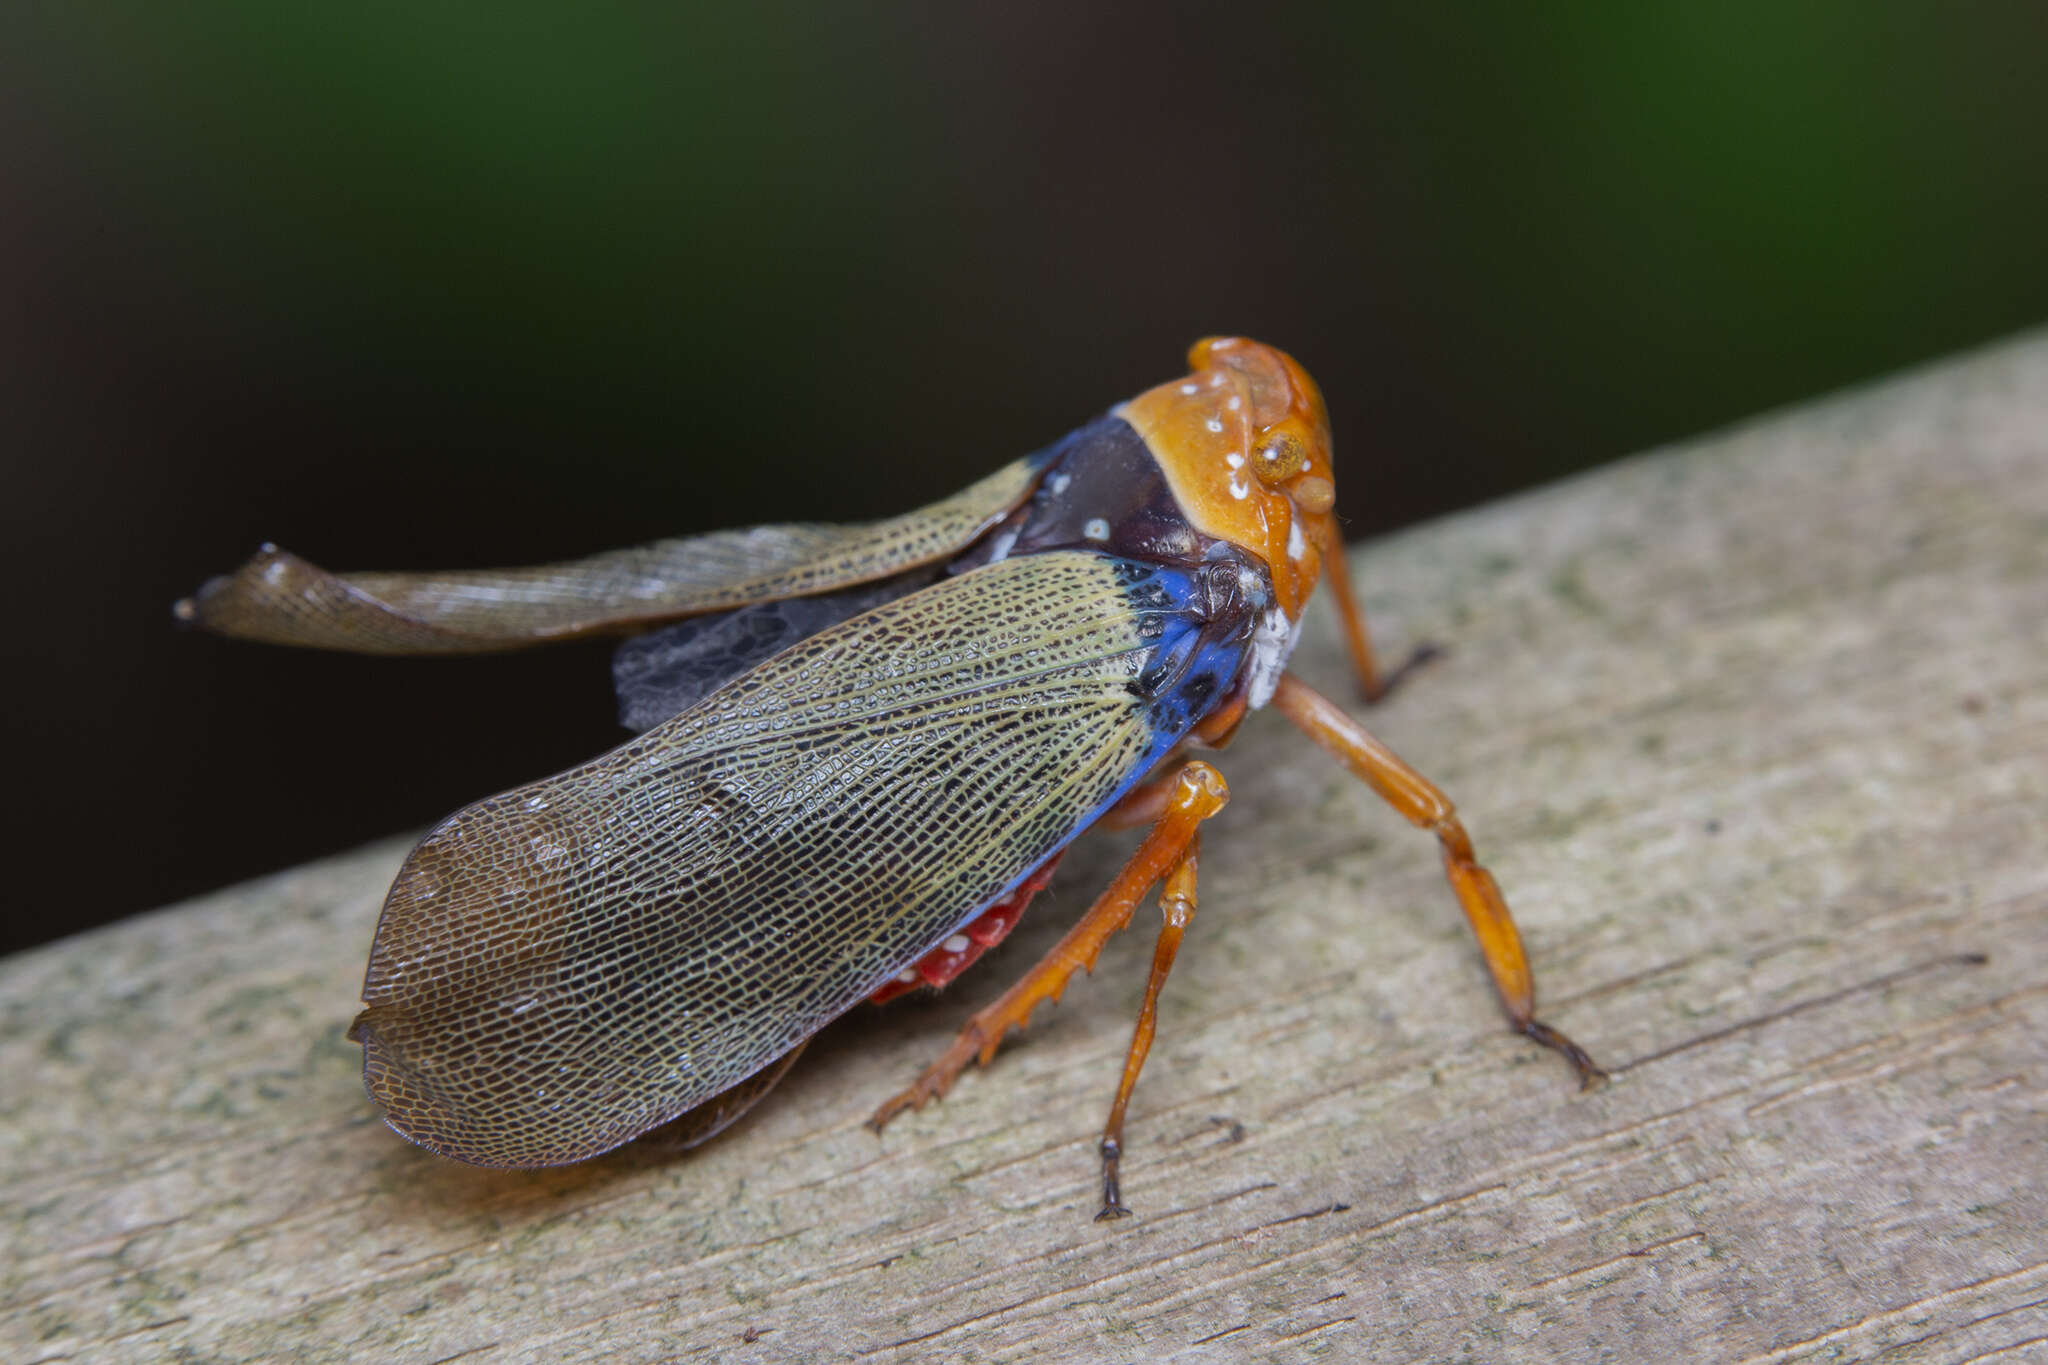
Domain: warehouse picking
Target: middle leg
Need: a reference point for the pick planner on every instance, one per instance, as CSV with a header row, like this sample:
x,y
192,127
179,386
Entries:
x,y
1177,907
1198,793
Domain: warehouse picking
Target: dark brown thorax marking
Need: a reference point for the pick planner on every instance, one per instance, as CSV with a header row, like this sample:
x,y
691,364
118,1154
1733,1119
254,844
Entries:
x,y
1105,491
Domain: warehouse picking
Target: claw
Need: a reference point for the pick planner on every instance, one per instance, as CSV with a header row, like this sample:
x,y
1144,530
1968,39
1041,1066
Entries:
x,y
1591,1074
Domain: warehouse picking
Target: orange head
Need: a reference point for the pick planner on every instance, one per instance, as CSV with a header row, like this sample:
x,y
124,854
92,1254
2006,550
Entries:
x,y
1245,443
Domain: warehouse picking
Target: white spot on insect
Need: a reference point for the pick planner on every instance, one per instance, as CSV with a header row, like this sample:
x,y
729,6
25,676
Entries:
x,y
1057,484
1191,388
1272,643
1096,528
1235,403
999,548
1296,546
1214,424
955,944
907,975
1235,459
536,803
1240,487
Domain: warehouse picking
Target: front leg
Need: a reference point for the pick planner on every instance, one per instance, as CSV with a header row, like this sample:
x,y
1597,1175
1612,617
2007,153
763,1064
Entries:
x,y
1373,685
1417,799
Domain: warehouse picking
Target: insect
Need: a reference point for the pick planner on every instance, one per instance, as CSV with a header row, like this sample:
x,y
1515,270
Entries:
x,y
863,749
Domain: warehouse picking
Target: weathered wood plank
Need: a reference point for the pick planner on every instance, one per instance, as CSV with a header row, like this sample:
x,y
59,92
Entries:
x,y
1753,733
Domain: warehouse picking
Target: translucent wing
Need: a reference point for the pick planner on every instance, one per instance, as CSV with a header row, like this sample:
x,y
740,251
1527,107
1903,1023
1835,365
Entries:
x,y
567,965
280,598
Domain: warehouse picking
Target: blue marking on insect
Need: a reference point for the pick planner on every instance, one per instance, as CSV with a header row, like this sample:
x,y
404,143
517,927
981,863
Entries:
x,y
1195,621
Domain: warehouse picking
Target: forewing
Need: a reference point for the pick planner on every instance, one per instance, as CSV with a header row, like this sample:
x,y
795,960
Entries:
x,y
280,598
567,965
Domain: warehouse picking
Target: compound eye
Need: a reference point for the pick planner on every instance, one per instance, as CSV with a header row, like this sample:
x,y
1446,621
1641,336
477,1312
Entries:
x,y
1280,458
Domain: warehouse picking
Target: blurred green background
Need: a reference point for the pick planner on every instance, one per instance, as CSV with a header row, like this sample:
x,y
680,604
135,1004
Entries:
x,y
418,285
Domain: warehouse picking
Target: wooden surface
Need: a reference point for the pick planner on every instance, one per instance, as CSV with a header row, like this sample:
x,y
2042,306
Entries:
x,y
1755,734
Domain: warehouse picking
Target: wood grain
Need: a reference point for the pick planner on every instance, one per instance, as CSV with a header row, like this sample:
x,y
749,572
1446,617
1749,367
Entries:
x,y
1754,733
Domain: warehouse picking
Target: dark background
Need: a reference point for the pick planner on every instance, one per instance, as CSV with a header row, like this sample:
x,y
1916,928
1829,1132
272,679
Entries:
x,y
400,288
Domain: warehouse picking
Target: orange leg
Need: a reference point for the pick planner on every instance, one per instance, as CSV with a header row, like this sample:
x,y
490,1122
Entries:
x,y
1358,639
1198,793
1408,792
1177,905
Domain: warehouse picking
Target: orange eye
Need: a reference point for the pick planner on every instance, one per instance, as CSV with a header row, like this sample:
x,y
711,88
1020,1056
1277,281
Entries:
x,y
1280,458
